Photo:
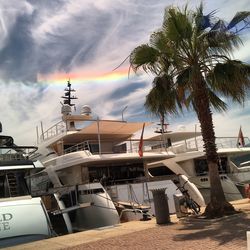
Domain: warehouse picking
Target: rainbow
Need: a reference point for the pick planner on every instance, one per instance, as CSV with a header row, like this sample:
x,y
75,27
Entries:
x,y
86,78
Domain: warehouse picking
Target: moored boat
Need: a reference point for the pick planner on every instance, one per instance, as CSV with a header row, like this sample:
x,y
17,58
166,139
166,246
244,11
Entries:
x,y
22,217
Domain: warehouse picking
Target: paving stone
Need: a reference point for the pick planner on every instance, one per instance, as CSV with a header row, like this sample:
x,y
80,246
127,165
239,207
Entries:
x,y
191,233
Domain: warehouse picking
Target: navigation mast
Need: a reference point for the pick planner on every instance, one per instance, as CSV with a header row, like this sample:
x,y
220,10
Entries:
x,y
68,95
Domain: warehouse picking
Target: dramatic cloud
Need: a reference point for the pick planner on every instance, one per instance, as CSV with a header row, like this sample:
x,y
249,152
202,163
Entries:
x,y
41,41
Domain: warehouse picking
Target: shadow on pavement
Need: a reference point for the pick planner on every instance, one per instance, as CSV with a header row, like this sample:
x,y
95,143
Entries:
x,y
223,230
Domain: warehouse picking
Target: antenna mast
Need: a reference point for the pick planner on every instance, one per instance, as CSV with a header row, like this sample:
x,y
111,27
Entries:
x,y
68,95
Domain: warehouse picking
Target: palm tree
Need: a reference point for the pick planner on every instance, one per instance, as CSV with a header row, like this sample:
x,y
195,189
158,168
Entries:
x,y
194,51
163,98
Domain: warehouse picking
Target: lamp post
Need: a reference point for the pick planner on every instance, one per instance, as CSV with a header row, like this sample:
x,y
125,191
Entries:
x,y
123,112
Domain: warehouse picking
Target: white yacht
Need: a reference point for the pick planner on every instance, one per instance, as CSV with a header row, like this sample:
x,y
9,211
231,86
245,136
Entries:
x,y
80,154
190,160
83,151
22,218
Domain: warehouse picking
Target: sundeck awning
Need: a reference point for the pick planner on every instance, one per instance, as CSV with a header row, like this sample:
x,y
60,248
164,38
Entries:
x,y
107,129
177,136
113,127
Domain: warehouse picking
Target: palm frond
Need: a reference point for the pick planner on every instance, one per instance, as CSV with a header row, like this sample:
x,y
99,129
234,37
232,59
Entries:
x,y
160,42
144,57
183,77
216,102
240,17
219,25
231,79
202,21
221,43
177,25
162,98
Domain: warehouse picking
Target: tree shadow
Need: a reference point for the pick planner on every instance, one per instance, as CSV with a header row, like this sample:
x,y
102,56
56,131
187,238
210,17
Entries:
x,y
223,231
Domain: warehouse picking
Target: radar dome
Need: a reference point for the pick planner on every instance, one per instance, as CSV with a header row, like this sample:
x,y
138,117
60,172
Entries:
x,y
86,110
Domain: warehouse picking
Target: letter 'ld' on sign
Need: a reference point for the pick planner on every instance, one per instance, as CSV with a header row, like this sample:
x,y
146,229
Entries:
x,y
6,217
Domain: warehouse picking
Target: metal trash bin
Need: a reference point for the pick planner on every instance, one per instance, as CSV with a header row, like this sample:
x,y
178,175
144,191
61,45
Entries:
x,y
180,211
161,206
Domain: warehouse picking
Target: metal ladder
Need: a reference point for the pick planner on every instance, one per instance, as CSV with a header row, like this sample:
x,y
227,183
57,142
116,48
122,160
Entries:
x,y
12,184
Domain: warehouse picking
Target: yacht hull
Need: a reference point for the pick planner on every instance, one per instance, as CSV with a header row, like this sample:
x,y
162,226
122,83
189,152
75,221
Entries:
x,y
101,213
23,219
229,187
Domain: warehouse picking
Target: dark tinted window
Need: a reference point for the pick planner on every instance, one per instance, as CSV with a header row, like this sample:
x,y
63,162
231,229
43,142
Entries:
x,y
159,171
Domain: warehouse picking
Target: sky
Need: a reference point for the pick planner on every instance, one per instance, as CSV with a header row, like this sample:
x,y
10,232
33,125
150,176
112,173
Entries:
x,y
44,43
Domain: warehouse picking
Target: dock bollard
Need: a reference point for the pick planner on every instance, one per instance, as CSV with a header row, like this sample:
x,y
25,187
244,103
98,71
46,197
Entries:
x,y
161,206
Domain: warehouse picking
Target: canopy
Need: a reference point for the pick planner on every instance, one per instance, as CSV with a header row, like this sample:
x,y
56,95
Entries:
x,y
177,136
108,130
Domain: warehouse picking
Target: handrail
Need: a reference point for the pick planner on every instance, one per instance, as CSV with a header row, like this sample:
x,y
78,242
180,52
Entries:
x,y
57,129
156,146
16,152
83,146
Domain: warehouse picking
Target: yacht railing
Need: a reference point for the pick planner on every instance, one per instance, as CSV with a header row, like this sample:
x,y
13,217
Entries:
x,y
223,142
57,129
194,144
10,156
111,147
197,144
83,146
16,153
132,146
229,142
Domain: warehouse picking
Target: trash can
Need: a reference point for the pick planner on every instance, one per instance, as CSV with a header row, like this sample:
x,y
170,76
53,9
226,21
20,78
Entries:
x,y
161,206
180,210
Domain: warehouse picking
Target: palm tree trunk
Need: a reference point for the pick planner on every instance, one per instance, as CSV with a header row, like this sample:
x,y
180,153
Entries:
x,y
218,206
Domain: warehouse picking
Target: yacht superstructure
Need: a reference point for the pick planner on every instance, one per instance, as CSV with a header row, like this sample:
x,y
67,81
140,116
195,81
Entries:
x,y
190,160
85,150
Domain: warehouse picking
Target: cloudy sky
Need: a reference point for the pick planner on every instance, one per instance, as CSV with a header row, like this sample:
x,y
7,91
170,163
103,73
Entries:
x,y
44,43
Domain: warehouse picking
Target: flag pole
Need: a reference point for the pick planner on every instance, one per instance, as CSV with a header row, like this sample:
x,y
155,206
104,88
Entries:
x,y
140,151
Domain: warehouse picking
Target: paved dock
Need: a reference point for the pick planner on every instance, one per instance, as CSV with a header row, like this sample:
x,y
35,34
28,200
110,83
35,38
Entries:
x,y
225,233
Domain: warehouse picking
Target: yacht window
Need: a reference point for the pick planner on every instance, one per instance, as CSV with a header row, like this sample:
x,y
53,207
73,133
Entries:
x,y
122,173
91,191
68,146
2,193
159,171
168,143
204,179
120,148
201,167
237,160
94,148
223,177
223,165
